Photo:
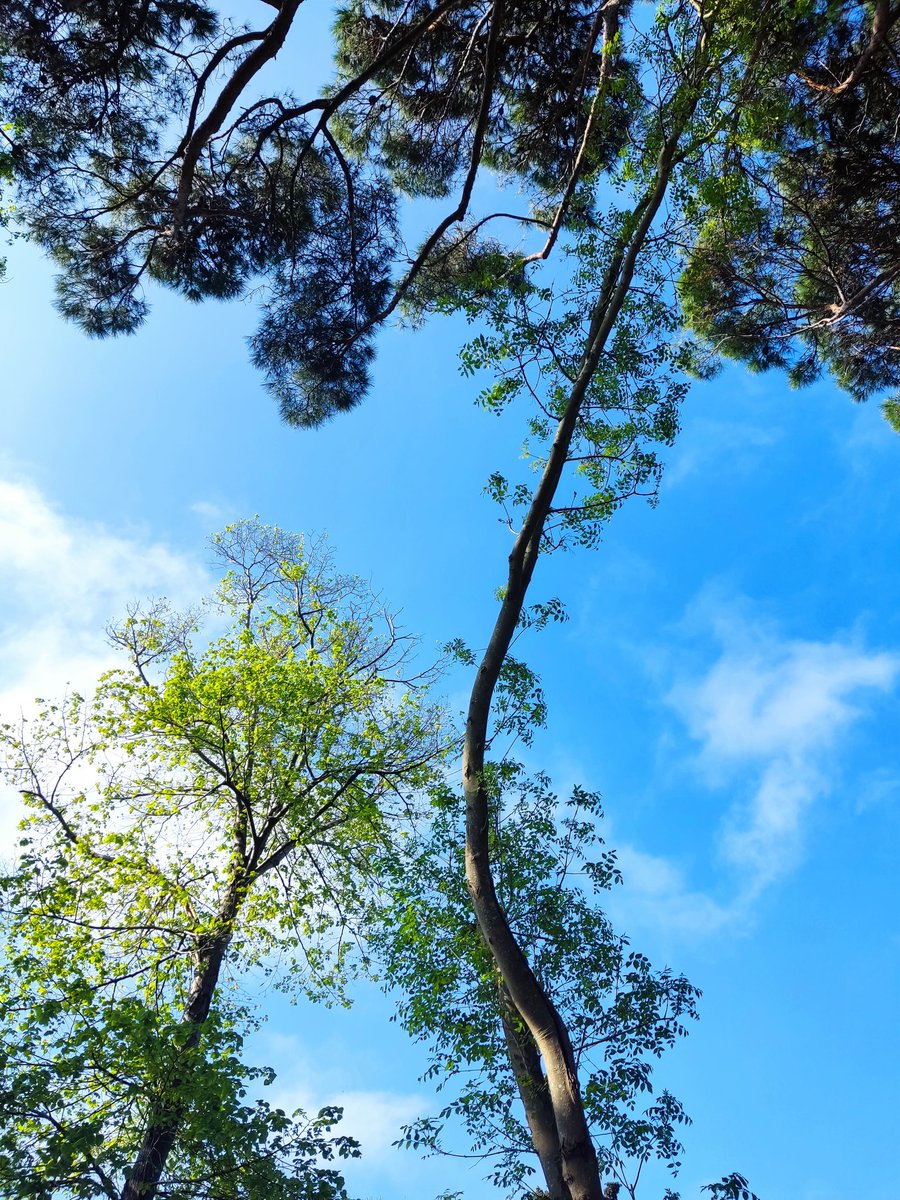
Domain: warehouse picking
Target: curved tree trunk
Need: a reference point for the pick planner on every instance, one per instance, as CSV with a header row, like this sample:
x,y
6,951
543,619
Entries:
x,y
580,1174
532,1084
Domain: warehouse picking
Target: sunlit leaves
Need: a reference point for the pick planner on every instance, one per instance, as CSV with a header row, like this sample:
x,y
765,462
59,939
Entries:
x,y
550,866
531,341
794,264
891,410
211,811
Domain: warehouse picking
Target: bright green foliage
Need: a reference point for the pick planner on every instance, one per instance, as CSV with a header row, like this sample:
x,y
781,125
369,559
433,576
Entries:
x,y
82,1069
550,868
891,410
533,337
209,811
531,342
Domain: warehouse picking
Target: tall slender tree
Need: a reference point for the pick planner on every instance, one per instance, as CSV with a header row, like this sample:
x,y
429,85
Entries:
x,y
552,871
596,376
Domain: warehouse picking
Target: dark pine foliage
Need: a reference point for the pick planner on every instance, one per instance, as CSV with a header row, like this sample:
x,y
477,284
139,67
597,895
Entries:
x,y
802,270
141,144
142,147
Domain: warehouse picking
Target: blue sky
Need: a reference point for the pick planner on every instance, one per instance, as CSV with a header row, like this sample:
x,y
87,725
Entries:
x,y
728,680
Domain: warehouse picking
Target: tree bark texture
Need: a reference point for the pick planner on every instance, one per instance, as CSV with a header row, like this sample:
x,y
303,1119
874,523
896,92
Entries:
x,y
526,1065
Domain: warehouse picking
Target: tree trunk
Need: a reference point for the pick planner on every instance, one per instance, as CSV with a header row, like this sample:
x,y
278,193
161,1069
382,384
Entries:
x,y
162,1129
578,1160
526,1065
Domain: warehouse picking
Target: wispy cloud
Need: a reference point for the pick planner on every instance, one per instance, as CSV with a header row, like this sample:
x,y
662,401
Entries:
x,y
65,579
659,896
776,710
375,1117
209,511
739,443
765,697
768,718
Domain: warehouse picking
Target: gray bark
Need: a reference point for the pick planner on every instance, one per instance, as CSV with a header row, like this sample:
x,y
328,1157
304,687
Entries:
x,y
579,1167
526,1065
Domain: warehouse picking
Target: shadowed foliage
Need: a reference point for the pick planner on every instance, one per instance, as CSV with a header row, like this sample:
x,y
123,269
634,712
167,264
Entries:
x,y
800,270
145,146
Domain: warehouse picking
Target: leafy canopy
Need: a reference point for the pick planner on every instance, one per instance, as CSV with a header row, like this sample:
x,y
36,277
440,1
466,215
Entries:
x,y
795,265
145,145
209,816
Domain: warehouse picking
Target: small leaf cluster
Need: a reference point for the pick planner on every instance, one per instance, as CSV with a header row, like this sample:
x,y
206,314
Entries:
x,y
531,340
731,1187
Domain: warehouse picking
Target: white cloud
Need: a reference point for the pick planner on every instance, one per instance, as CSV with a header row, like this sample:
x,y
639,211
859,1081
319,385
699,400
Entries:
x,y
770,718
309,1079
657,896
374,1118
764,697
64,581
774,710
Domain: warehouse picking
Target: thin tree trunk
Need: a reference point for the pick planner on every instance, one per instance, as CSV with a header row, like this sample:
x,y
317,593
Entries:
x,y
579,1168
161,1132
